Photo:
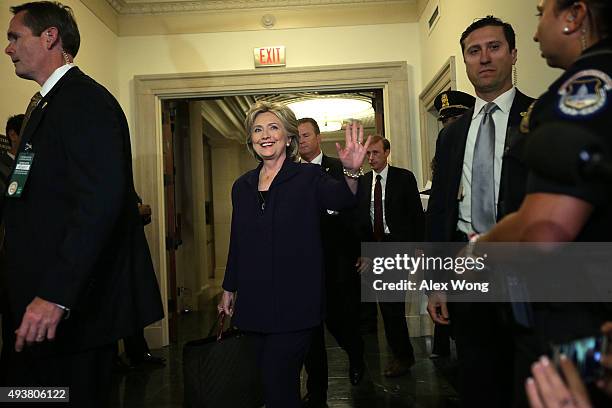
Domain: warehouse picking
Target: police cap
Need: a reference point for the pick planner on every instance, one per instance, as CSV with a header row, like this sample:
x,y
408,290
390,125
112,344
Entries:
x,y
453,103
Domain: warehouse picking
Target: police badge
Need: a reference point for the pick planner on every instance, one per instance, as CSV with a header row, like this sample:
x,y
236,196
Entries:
x,y
584,94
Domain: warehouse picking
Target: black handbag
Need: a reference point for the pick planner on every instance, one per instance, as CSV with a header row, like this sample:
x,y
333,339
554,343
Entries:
x,y
220,371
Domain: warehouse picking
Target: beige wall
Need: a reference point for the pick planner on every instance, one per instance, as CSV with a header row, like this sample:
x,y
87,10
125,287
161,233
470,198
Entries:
x,y
455,15
97,57
226,168
305,47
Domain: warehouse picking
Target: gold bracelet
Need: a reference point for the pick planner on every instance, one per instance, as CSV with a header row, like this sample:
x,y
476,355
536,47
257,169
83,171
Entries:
x,y
354,175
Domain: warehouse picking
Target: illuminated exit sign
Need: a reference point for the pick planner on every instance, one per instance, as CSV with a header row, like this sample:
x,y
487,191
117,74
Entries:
x,y
269,56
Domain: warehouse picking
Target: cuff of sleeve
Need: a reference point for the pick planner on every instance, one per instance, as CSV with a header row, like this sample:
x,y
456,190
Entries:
x,y
65,309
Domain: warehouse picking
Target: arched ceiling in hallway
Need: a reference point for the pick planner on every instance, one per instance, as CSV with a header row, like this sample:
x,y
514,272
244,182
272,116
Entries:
x,y
226,114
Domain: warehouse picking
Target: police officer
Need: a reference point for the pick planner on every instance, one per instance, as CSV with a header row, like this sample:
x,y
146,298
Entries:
x,y
574,36
451,105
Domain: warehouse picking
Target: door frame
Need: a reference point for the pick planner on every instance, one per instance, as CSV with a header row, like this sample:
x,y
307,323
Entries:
x,y
444,79
150,90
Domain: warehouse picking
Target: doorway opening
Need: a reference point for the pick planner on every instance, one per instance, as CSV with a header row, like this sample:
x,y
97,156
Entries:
x,y
203,154
151,91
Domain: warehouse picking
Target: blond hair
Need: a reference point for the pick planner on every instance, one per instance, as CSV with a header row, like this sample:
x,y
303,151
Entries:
x,y
287,119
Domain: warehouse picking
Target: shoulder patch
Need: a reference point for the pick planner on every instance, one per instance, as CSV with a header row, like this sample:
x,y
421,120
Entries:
x,y
584,94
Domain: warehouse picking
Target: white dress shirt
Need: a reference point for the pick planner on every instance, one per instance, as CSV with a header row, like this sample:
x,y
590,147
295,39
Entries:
x,y
317,160
383,184
54,78
500,118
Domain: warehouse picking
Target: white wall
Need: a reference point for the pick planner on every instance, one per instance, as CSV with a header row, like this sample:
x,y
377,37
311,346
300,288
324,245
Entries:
x,y
97,57
455,15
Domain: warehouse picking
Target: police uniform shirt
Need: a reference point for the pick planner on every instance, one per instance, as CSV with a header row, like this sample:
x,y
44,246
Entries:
x,y
582,96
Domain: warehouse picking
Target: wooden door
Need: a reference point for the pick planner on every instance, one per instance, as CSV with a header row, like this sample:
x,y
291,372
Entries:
x,y
172,221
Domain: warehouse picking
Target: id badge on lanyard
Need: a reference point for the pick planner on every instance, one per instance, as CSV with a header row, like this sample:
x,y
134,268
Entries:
x,y
20,175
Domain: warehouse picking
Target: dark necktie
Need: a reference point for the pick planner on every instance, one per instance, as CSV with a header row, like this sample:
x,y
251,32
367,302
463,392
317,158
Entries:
x,y
379,227
33,104
483,178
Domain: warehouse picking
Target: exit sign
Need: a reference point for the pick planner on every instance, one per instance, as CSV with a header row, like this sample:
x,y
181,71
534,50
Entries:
x,y
269,56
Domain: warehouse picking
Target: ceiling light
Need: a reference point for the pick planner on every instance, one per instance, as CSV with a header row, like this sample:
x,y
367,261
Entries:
x,y
330,113
329,126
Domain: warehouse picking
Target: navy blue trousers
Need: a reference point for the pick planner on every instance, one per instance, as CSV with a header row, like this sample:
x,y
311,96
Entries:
x,y
281,356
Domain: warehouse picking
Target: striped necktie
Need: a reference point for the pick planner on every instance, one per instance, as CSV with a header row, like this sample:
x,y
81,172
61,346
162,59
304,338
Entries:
x,y
33,104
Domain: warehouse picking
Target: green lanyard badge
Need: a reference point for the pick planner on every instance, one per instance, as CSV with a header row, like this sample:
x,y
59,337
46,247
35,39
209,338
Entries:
x,y
20,175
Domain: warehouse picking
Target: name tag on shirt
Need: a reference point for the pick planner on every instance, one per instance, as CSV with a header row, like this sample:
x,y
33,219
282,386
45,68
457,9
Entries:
x,y
20,175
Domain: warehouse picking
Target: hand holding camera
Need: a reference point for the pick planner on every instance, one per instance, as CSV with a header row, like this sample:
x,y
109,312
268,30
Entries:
x,y
581,361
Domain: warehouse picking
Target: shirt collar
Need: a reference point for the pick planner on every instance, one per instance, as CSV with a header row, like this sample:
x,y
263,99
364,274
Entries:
x,y
317,160
503,102
383,173
54,78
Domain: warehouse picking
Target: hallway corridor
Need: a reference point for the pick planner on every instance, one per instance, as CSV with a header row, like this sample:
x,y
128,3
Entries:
x,y
428,386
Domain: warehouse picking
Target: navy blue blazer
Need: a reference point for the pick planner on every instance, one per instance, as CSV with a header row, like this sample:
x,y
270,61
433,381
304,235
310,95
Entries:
x,y
275,260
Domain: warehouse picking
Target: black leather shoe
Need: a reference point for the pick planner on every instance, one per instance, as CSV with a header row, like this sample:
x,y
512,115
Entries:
x,y
120,366
151,359
356,373
313,402
398,368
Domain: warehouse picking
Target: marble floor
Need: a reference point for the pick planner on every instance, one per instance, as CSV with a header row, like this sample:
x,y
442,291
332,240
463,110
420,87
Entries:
x,y
429,385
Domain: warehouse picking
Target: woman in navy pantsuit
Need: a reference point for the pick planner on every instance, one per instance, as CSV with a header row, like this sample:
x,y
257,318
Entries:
x,y
274,274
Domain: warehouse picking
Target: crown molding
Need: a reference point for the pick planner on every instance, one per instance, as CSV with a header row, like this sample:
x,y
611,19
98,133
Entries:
x,y
251,20
107,14
158,17
130,7
421,6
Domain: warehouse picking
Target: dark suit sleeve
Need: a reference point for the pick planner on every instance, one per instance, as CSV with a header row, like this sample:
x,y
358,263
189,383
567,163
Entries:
x,y
333,194
361,213
93,136
435,207
230,280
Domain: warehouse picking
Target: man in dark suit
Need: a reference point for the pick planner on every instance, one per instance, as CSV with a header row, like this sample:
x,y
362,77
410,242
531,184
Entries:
x,y
390,210
470,191
451,106
78,272
341,279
